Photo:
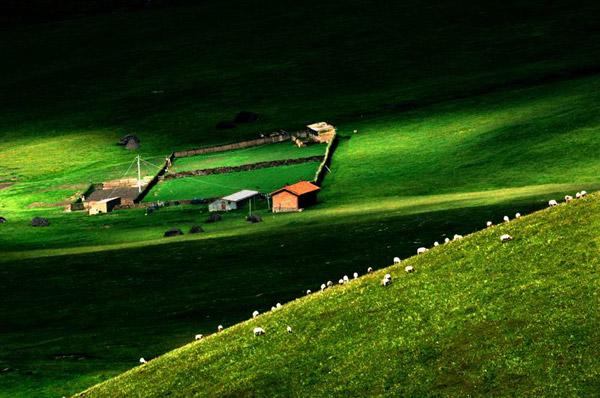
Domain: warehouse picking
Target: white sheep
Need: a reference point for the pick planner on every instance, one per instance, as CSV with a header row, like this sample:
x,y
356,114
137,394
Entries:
x,y
341,281
505,237
278,305
289,329
457,237
518,215
308,292
409,268
552,203
568,198
578,195
421,250
259,331
583,193
370,270
142,360
346,279
436,243
323,286
254,314
273,308
489,224
446,240
198,337
355,275
220,328
386,282
329,283
506,219
396,260
387,276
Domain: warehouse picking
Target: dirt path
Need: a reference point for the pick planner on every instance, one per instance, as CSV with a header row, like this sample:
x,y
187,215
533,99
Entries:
x,y
245,167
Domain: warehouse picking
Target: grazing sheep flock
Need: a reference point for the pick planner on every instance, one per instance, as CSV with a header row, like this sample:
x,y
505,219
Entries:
x,y
505,238
387,278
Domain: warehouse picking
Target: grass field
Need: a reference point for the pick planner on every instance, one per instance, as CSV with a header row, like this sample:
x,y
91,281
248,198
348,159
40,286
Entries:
x,y
261,180
263,153
478,318
464,113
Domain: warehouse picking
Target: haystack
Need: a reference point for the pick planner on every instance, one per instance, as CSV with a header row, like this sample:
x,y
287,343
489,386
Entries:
x,y
173,232
214,218
196,229
39,222
130,142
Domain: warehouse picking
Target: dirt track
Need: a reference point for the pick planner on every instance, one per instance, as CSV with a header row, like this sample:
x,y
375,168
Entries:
x,y
245,167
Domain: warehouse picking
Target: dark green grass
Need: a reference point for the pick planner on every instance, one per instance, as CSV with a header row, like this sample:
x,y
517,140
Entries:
x,y
504,101
118,305
264,153
478,318
262,180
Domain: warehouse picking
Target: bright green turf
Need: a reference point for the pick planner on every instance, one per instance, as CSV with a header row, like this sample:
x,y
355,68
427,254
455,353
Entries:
x,y
478,318
262,180
507,118
263,153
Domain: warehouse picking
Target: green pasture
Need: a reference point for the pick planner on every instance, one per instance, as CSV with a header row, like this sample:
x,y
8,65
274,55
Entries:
x,y
211,186
263,153
464,113
148,299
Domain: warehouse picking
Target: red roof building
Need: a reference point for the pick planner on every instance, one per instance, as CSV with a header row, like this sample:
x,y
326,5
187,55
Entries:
x,y
295,197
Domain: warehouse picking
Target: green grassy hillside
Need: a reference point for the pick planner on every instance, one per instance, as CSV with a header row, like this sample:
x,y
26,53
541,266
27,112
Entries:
x,y
478,318
463,113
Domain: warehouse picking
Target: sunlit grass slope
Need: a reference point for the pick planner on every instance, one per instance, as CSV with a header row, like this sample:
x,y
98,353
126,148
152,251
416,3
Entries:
x,y
478,318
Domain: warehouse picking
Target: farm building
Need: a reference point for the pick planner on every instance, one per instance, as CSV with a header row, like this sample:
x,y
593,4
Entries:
x,y
295,197
233,201
322,131
103,206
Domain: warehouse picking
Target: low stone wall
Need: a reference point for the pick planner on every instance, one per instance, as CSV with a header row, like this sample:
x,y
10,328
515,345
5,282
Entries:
x,y
236,145
323,168
245,167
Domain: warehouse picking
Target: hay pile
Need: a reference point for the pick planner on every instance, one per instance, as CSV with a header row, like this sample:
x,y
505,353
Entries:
x,y
196,229
214,218
253,219
173,232
39,222
130,142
